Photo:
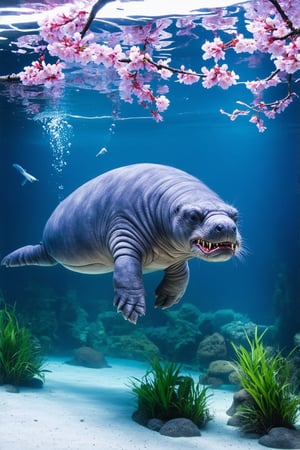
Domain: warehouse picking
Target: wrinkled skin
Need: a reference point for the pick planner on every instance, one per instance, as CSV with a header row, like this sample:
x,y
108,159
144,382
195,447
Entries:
x,y
136,219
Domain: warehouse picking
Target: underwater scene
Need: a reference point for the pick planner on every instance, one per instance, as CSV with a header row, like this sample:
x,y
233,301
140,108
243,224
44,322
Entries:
x,y
150,224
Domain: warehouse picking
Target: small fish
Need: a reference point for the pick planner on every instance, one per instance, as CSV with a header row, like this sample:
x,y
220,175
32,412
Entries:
x,y
102,151
26,175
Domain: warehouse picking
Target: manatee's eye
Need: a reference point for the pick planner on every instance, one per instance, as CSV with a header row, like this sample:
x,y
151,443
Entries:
x,y
234,215
194,215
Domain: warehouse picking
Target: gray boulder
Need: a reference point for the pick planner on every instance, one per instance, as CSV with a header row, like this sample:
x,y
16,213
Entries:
x,y
280,437
180,427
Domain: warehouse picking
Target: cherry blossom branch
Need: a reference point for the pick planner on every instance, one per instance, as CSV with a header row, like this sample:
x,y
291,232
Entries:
x,y
65,32
97,6
159,66
13,78
272,75
285,18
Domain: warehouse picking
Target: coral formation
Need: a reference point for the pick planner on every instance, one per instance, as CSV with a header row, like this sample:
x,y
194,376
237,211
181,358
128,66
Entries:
x,y
211,348
134,346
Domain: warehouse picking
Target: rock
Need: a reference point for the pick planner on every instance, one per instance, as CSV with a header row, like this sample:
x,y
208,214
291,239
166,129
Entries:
x,y
280,437
240,397
140,417
234,421
237,330
223,316
179,337
180,427
155,424
11,388
234,378
297,339
213,382
218,373
187,311
220,367
35,383
88,357
211,348
133,346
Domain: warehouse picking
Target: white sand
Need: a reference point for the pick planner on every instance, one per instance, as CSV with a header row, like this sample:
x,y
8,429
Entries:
x,y
85,409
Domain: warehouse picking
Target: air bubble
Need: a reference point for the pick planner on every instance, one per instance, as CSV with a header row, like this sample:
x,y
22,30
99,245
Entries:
x,y
60,132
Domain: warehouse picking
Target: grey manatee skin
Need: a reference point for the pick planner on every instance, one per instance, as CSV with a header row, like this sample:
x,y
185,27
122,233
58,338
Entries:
x,y
135,219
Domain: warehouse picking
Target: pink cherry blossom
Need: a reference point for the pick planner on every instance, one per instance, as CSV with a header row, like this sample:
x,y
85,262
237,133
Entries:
x,y
218,20
41,73
187,77
234,115
219,76
164,89
257,86
186,25
63,21
108,56
156,116
72,49
131,59
258,122
136,57
289,61
162,69
162,103
214,49
243,45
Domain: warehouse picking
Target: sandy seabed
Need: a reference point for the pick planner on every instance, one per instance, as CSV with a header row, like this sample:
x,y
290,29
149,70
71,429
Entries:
x,y
82,409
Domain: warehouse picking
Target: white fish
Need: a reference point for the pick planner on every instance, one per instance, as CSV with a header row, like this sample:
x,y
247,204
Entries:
x,y
102,151
26,175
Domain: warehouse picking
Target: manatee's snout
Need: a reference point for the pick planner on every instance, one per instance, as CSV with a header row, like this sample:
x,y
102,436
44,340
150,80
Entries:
x,y
225,229
218,238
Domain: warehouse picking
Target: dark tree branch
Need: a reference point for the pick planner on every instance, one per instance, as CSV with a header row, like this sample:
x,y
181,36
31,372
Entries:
x,y
13,78
283,14
163,66
97,6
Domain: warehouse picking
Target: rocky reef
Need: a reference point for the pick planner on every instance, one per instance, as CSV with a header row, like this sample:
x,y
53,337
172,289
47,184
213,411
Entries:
x,y
185,334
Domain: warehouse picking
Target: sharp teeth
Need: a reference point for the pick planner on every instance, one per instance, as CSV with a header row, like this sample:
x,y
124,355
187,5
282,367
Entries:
x,y
211,245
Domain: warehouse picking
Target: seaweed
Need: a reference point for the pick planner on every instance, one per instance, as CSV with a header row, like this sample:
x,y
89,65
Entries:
x,y
165,394
20,358
266,376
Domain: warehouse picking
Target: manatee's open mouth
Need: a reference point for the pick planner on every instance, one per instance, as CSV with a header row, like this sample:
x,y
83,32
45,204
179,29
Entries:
x,y
210,247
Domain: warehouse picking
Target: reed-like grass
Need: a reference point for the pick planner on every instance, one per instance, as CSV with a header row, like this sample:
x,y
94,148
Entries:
x,y
20,358
165,394
266,376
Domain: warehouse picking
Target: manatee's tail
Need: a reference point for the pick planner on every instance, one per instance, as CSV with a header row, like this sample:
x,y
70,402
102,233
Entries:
x,y
28,256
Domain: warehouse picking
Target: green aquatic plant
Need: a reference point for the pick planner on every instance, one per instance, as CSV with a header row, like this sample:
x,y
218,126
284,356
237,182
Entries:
x,y
20,359
266,376
165,394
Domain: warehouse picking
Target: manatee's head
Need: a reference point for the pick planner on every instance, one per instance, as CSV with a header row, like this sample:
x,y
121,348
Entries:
x,y
209,231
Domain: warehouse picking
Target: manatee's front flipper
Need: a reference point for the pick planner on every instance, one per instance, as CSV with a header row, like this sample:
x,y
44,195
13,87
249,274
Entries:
x,y
173,285
28,256
129,289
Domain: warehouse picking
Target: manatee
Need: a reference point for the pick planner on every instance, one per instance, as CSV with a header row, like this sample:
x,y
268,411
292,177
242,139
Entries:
x,y
133,220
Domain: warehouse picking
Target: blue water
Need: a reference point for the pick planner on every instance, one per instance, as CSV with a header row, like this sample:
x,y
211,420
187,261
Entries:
x,y
256,172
